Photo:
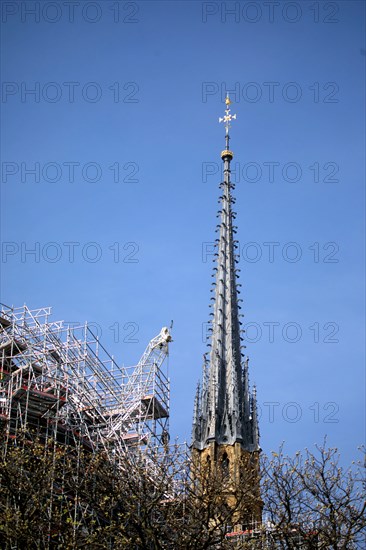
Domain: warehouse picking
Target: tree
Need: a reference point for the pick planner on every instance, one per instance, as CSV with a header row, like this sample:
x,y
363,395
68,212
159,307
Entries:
x,y
312,499
55,496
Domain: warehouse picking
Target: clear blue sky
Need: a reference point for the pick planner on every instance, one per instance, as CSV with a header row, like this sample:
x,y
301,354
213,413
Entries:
x,y
141,89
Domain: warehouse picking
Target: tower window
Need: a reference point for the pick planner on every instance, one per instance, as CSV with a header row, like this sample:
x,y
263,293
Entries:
x,y
225,464
208,463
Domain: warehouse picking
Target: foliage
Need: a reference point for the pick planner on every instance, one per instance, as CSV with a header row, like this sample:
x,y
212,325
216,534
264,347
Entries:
x,y
311,497
59,497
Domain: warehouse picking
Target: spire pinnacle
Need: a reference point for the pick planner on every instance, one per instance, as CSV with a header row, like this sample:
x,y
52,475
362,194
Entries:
x,y
227,118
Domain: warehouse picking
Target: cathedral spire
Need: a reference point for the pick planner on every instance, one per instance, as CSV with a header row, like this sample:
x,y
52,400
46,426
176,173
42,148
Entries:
x,y
224,407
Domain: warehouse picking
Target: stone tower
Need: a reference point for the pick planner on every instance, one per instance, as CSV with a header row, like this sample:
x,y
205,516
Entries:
x,y
225,427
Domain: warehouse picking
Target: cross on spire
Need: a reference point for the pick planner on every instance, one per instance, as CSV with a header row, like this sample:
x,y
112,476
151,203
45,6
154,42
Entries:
x,y
227,118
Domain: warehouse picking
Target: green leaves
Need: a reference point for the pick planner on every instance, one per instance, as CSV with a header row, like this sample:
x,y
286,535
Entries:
x,y
58,497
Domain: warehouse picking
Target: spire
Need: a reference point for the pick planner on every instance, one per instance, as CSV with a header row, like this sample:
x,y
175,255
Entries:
x,y
224,406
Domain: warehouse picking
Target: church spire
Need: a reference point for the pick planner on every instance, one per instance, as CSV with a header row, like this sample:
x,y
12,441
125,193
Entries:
x,y
225,411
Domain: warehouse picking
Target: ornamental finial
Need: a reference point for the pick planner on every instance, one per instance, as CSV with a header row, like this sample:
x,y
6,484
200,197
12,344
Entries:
x,y
227,118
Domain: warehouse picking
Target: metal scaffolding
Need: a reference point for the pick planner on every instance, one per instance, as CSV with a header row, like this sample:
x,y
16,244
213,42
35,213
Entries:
x,y
61,383
266,536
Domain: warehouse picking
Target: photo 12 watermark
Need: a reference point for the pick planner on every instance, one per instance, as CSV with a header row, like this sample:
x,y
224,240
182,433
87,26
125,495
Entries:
x,y
70,11
274,251
69,171
272,92
272,171
53,252
291,332
69,91
293,412
125,332
270,12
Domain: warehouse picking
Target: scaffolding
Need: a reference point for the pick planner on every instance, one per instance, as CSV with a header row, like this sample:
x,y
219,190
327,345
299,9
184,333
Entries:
x,y
267,536
61,383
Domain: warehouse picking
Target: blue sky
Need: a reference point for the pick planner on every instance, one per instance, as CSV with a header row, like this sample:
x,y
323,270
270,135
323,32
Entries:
x,y
122,134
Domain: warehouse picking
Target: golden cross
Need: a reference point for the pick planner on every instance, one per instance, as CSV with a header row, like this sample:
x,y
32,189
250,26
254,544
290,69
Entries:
x,y
227,118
